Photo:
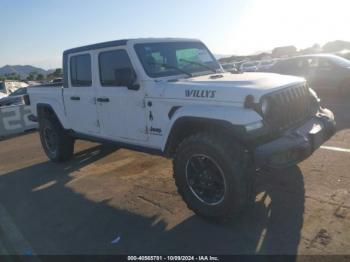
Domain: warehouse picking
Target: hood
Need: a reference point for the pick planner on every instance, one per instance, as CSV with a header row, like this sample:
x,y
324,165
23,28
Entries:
x,y
228,87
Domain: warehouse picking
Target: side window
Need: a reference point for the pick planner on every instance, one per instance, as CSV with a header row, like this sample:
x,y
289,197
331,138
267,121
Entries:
x,y
80,70
312,62
110,63
300,63
324,63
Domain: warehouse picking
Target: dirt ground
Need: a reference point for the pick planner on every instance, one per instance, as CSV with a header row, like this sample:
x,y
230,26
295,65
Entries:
x,y
114,201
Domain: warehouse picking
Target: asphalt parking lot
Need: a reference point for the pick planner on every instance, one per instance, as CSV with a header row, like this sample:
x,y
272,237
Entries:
x,y
115,201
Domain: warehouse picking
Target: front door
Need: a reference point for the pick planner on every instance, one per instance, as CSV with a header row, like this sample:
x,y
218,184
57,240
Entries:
x,y
79,97
121,111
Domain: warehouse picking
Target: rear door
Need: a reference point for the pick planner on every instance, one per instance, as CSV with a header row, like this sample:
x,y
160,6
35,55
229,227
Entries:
x,y
80,96
121,111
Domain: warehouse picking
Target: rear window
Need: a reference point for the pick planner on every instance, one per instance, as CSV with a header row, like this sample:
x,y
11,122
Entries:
x,y
80,70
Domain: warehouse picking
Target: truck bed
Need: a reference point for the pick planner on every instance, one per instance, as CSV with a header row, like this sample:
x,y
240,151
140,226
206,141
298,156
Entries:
x,y
51,94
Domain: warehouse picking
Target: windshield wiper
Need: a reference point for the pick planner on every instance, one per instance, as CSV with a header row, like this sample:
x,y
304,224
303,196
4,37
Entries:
x,y
199,64
171,67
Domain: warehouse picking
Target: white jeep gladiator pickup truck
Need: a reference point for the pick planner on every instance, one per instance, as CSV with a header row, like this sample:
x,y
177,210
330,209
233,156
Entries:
x,y
171,97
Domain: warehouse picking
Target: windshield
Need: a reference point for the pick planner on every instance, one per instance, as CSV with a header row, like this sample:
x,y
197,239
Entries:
x,y
20,91
165,59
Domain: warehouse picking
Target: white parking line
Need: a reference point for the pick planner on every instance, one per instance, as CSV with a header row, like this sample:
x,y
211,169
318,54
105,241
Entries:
x,y
333,148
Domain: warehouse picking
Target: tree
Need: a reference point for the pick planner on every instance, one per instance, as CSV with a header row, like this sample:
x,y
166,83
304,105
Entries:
x,y
40,77
335,46
32,76
12,76
284,51
57,72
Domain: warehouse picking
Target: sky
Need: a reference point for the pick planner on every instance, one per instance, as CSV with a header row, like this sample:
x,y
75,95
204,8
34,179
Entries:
x,y
36,32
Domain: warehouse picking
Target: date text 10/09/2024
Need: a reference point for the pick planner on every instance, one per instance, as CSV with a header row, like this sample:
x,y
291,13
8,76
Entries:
x,y
173,258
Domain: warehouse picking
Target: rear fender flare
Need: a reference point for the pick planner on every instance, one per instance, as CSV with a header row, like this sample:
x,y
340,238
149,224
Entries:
x,y
43,108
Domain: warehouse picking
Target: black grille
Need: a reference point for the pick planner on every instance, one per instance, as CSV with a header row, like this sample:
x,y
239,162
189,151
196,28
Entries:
x,y
288,107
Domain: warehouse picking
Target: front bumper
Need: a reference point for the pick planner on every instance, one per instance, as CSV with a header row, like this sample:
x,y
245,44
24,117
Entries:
x,y
296,144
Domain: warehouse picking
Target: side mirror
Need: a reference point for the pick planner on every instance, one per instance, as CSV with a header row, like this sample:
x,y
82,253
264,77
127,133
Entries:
x,y
126,77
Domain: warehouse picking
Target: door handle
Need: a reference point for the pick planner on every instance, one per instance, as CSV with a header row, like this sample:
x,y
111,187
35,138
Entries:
x,y
103,99
75,98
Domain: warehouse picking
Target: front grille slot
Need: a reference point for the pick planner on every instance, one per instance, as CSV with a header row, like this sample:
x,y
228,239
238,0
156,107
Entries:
x,y
288,107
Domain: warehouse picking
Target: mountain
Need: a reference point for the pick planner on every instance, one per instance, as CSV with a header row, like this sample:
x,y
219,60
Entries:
x,y
22,70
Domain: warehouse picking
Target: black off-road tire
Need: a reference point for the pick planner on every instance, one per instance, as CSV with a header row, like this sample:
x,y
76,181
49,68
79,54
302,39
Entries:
x,y
62,148
229,156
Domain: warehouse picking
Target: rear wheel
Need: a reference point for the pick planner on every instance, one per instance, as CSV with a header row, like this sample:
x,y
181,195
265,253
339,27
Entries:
x,y
211,178
57,144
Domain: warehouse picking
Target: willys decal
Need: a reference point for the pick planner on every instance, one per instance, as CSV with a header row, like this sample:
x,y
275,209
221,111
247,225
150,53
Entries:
x,y
201,93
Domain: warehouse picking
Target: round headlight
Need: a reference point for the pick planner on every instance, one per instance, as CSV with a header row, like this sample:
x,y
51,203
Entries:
x,y
265,106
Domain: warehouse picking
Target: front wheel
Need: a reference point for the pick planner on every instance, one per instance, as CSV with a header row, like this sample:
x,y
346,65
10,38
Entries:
x,y
57,145
211,177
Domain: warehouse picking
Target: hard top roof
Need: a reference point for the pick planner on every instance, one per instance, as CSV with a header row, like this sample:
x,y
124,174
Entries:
x,y
123,42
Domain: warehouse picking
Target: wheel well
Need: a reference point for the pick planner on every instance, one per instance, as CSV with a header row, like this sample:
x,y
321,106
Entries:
x,y
187,126
46,111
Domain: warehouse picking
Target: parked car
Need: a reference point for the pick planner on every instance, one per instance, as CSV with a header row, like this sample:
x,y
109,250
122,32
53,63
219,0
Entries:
x,y
324,72
56,80
9,86
230,67
170,97
265,65
2,94
251,66
15,98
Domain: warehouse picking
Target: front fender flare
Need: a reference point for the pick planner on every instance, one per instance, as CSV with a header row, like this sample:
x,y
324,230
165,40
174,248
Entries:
x,y
228,117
